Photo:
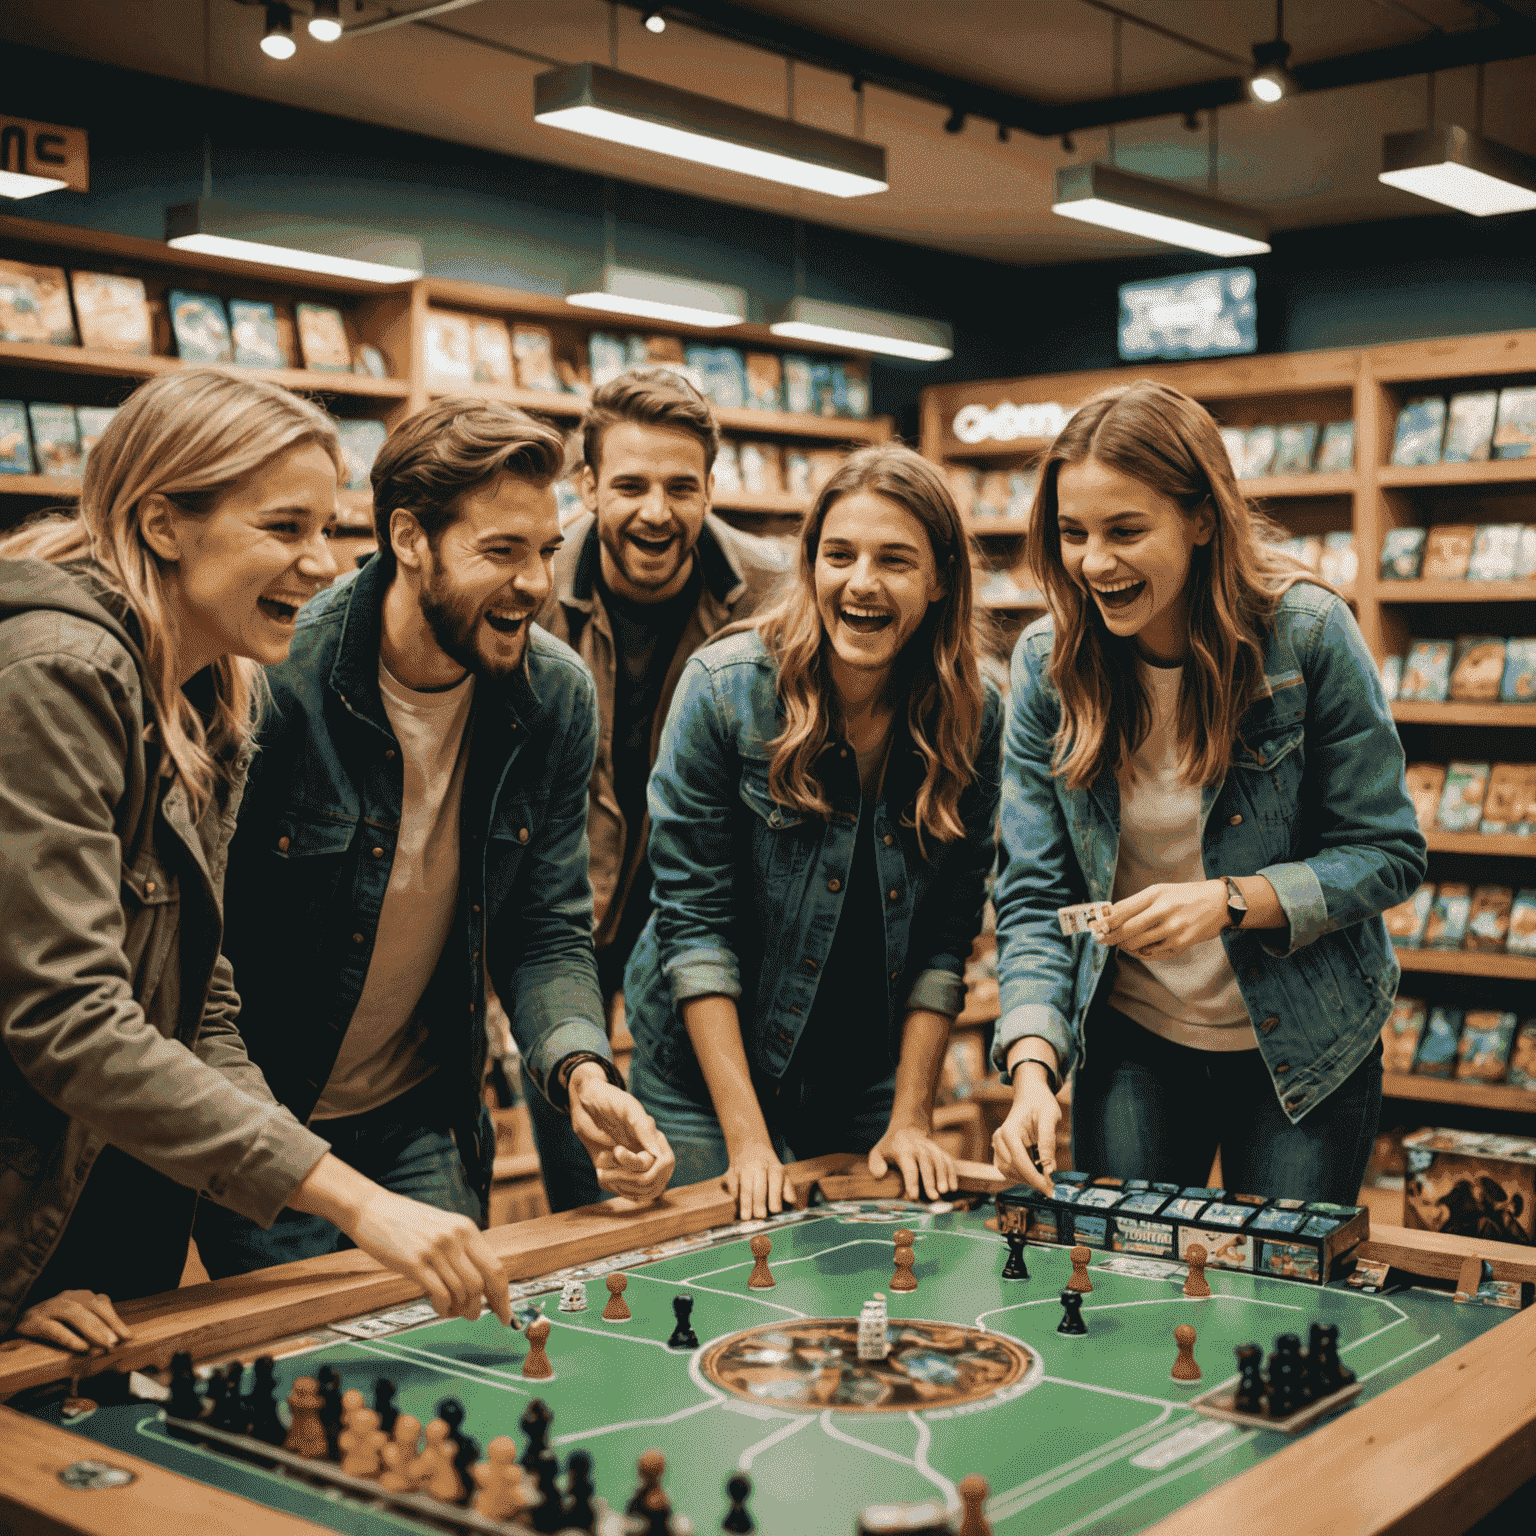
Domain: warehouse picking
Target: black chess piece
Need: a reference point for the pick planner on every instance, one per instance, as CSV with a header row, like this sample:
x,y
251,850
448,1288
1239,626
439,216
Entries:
x,y
261,1405
738,1489
579,1487
466,1450
1072,1314
1329,1373
1249,1396
1285,1385
235,1419
1015,1268
683,1336
535,1426
548,1515
384,1404
657,1513
186,1401
218,1395
329,1384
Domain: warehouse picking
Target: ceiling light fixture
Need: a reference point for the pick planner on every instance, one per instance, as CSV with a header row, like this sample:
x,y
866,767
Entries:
x,y
1157,210
277,41
19,184
655,22
644,114
293,241
1460,169
1271,79
651,296
870,330
325,24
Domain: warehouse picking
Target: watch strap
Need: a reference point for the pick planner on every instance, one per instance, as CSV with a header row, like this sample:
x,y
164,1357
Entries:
x,y
1237,903
558,1087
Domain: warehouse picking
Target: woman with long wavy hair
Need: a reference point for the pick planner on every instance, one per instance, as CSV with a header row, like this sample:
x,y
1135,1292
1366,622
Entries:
x,y
132,637
822,812
1197,741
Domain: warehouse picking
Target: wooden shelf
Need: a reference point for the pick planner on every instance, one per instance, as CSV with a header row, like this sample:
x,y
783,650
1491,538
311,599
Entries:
x,y
1504,845
995,527
1015,448
547,402
40,485
1468,962
1456,591
1012,604
766,503
1264,486
1410,712
1437,1090
1487,472
831,429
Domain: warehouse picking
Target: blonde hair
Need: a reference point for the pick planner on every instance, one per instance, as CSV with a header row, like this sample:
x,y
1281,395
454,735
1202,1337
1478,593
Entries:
x,y
1160,437
191,436
938,666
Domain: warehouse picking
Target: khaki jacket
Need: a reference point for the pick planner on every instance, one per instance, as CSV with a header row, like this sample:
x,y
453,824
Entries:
x,y
117,1011
740,571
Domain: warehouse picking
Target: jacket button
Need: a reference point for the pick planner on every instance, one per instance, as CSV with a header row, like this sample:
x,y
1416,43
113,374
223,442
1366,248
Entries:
x,y
893,893
389,754
378,853
1284,1066
1294,1102
896,973
522,834
1235,821
1252,973
149,887
1268,1024
474,909
834,884
357,938
842,751
810,964
888,840
282,845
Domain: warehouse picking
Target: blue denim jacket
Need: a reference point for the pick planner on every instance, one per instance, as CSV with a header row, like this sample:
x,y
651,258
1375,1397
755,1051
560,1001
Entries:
x,y
311,859
747,891
1315,802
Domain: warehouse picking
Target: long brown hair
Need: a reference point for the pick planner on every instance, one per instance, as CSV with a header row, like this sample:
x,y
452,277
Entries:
x,y
190,436
1160,437
937,668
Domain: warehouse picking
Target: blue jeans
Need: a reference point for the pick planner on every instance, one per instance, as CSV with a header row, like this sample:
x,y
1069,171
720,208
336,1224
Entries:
x,y
807,1127
1145,1108
405,1145
565,1165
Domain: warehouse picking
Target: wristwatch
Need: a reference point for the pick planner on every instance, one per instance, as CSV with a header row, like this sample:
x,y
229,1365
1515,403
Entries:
x,y
559,1085
1237,903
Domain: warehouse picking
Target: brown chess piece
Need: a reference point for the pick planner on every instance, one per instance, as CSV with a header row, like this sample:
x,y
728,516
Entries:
x,y
501,1491
351,1401
762,1277
906,1256
362,1441
306,1435
537,1363
394,1458
442,1479
617,1310
973,1498
1186,1370
1080,1257
1195,1283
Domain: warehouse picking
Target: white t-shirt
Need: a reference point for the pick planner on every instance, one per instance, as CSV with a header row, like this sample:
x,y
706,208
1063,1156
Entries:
x,y
1193,998
381,1056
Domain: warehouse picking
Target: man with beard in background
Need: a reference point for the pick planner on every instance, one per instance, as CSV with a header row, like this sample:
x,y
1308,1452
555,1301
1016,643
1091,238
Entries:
x,y
415,822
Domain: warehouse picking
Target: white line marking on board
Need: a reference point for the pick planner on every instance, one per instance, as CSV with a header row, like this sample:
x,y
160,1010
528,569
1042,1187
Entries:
x,y
920,1461
1390,1363
614,1333
608,1429
1086,1386
783,1432
1130,1442
464,1370
714,1290
946,1487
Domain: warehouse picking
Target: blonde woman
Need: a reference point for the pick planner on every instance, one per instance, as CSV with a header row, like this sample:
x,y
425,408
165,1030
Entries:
x,y
822,813
1196,735
131,642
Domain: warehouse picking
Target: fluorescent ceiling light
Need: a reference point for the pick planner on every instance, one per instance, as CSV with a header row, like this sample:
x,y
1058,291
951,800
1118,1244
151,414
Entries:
x,y
1157,210
604,104
649,295
870,330
19,184
1463,170
290,240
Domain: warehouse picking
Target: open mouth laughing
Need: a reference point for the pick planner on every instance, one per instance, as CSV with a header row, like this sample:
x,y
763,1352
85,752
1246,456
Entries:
x,y
507,621
281,610
1118,594
866,621
653,545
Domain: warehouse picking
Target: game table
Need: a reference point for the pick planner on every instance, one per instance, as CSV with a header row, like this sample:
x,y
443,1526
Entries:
x,y
1072,1434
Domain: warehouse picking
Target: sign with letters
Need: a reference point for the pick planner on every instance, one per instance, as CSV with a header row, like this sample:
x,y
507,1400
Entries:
x,y
45,149
1006,422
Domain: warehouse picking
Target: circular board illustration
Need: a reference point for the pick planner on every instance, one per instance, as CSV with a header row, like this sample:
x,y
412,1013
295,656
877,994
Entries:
x,y
814,1364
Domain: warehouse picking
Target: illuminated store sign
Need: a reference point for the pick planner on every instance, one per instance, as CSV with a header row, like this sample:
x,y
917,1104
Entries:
x,y
1006,422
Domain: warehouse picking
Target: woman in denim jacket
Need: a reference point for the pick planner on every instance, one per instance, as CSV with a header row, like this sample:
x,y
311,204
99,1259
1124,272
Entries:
x,y
1197,736
822,811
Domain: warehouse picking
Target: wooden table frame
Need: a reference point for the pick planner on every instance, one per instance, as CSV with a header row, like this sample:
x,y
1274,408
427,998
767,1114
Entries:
x,y
1427,1457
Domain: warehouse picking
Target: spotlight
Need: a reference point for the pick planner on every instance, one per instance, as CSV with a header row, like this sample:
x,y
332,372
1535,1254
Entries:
x,y
955,122
1270,79
325,24
655,22
277,41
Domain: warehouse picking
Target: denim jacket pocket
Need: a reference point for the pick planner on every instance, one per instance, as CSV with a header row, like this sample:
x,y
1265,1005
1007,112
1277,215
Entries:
x,y
784,841
1272,761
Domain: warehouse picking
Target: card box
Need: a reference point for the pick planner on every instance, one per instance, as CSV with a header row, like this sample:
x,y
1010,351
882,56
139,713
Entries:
x,y
722,373
992,494
1295,443
1448,551
1235,441
113,312
1420,428
1427,671
762,468
1401,1034
826,379
1522,925
1525,554
1469,427
368,361
607,357
1519,683
1477,668
200,326
1522,1056
323,342
1509,807
765,381
448,348
1336,451
1514,437
94,420
1437,1048
1471,1185
1022,484
798,396
253,334
15,439
1392,677
1495,552
1340,563
1483,1055
360,444
797,474
1488,920
1425,782
1402,553
1259,452
727,470
1407,921
55,440
858,399
34,305
533,354
1449,913
490,348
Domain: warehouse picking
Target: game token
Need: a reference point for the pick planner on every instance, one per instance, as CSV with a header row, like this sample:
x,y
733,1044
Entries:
x,y
1186,1371
442,1480
1072,1314
651,1466
218,1401
1080,1257
466,1449
362,1443
535,1427
330,1407
906,1256
579,1488
1015,1268
573,1296
683,1336
547,1512
383,1403
1326,1373
186,1402
1249,1396
1195,1283
351,1401
762,1277
738,1489
1284,1373
973,1498
617,1310
394,1459
500,1487
537,1364
306,1434
261,1405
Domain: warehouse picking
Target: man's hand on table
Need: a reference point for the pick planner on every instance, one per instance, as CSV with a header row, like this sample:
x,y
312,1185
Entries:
x,y
630,1154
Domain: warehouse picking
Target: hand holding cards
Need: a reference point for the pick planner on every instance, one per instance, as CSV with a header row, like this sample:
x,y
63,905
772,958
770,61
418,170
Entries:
x,y
1085,917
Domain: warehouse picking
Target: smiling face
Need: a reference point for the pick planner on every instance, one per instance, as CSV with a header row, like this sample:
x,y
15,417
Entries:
x,y
1129,547
239,574
649,493
875,578
479,589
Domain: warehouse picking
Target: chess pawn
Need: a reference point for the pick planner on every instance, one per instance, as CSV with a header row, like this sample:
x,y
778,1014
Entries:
x,y
501,1491
973,1498
579,1487
1079,1280
1186,1370
384,1404
1015,1268
1195,1283
617,1310
1249,1395
738,1489
394,1458
652,1466
361,1442
762,1277
351,1401
1072,1322
906,1257
537,1366
306,1434
442,1477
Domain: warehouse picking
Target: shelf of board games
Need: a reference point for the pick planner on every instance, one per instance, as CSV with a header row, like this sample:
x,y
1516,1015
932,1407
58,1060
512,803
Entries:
x,y
1484,844
1414,712
1389,592
1439,1090
1468,962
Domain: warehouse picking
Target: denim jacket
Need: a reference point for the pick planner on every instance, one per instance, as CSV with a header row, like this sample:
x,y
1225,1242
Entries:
x,y
311,859
747,891
1315,802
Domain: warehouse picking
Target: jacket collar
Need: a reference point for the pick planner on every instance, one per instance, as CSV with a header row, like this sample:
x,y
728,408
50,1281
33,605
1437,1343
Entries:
x,y
576,567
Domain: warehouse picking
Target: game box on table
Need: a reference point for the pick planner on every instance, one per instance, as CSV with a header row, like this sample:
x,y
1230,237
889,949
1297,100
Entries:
x,y
1472,1184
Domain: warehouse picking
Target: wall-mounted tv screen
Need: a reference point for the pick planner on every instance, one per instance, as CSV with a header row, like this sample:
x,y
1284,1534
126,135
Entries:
x,y
1201,314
